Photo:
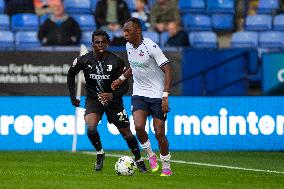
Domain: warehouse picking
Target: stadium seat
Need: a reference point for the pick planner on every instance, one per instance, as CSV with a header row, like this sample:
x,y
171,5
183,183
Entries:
x,y
25,22
78,6
154,36
86,21
192,6
258,22
220,6
6,40
222,22
2,6
131,5
197,22
164,38
5,22
27,40
271,39
244,39
86,38
267,6
205,39
93,5
43,18
278,22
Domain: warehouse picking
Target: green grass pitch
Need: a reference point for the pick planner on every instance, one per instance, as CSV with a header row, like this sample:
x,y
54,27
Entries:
x,y
75,170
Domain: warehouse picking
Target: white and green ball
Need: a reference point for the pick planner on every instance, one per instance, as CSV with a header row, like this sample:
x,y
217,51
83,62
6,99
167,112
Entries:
x,y
125,166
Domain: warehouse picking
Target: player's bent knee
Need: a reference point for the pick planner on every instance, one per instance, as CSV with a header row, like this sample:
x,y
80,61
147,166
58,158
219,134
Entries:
x,y
128,136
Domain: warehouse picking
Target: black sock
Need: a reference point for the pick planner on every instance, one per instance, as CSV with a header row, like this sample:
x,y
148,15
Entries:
x,y
132,144
94,138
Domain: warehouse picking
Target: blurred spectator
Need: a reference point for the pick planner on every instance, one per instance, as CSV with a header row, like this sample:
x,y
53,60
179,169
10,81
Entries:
x,y
18,6
240,14
59,29
45,6
252,7
178,38
281,9
163,12
110,15
142,13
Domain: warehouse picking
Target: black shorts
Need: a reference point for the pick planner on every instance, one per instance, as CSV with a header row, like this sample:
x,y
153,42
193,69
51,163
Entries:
x,y
115,111
153,106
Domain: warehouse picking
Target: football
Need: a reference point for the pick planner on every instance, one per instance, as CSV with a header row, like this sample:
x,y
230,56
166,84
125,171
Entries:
x,y
125,166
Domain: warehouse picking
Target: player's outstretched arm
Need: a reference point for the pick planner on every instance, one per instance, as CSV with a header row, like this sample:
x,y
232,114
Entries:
x,y
118,82
167,86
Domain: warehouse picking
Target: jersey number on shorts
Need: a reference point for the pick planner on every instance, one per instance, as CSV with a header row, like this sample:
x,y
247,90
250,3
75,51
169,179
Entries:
x,y
122,115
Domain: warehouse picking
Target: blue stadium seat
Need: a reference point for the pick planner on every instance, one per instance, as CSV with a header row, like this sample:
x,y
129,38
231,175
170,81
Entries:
x,y
164,38
244,39
78,6
43,18
278,22
2,6
24,22
205,39
93,5
6,40
192,6
271,39
131,4
222,22
267,6
86,38
27,40
5,22
154,36
221,6
258,22
197,22
86,21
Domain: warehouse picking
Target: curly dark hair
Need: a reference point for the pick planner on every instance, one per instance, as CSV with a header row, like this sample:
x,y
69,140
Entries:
x,y
135,21
100,33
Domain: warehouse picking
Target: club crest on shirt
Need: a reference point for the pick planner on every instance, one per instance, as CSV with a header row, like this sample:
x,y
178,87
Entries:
x,y
109,68
141,53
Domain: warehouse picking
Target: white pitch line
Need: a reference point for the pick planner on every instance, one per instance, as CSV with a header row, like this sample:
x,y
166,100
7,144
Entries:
x,y
201,164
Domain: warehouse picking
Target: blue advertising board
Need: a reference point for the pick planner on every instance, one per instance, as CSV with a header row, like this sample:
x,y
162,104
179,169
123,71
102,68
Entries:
x,y
273,70
194,123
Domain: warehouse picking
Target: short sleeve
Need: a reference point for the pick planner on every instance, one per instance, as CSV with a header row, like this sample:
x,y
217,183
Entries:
x,y
157,54
76,65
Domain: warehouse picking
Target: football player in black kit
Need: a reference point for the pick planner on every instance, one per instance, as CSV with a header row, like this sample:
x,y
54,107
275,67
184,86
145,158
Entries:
x,y
101,68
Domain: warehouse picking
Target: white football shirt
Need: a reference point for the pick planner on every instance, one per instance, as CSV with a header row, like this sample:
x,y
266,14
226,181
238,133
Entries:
x,y
145,62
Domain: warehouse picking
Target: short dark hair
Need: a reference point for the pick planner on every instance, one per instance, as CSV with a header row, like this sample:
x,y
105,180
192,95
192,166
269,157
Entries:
x,y
136,22
100,33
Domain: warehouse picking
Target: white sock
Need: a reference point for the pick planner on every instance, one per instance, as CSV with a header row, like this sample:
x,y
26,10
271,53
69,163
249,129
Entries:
x,y
101,151
147,148
166,161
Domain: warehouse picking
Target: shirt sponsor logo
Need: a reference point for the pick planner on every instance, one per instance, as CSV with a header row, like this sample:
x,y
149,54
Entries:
x,y
99,77
136,64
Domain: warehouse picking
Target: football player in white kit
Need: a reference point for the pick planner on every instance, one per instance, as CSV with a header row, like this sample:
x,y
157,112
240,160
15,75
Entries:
x,y
152,77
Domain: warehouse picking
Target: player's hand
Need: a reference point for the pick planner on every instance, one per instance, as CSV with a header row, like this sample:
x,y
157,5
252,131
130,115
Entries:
x,y
116,83
105,97
165,105
75,102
